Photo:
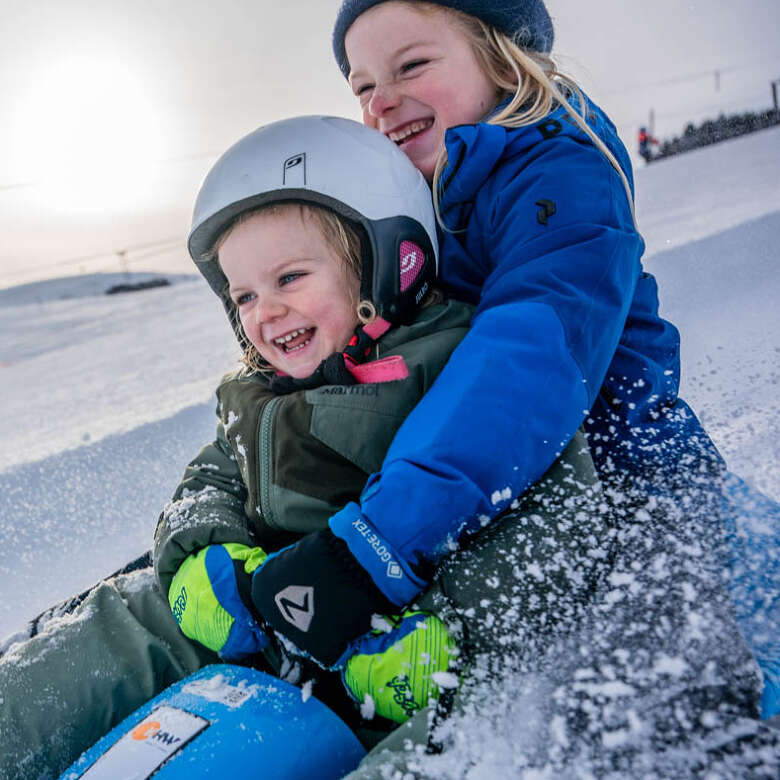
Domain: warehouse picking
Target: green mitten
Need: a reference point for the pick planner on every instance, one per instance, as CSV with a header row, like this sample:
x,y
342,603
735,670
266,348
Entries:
x,y
396,668
210,595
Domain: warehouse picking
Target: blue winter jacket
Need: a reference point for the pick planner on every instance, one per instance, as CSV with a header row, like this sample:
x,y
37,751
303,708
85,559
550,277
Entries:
x,y
566,331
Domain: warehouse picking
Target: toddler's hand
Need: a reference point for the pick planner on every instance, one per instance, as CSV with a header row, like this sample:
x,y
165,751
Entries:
x,y
396,667
210,598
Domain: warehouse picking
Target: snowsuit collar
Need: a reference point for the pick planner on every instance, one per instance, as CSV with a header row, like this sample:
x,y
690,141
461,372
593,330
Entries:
x,y
474,151
351,366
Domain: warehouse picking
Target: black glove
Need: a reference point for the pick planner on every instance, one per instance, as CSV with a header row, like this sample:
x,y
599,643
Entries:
x,y
318,596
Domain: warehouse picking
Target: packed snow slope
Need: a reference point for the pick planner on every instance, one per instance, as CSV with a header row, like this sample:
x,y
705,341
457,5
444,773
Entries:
x,y
106,398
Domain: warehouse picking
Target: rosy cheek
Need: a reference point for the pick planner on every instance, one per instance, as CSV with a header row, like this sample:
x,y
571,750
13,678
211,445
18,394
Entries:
x,y
368,119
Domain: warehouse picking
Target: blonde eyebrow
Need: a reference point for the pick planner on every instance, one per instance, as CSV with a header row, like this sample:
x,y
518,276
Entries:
x,y
278,268
400,53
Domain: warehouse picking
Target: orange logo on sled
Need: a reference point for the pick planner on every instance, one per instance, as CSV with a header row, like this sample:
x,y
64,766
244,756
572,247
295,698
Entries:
x,y
145,730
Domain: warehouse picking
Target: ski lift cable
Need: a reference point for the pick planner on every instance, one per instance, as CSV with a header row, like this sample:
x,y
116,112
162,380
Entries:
x,y
646,85
157,246
693,76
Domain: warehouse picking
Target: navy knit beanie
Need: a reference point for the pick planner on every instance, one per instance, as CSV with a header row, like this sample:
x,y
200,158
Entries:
x,y
525,21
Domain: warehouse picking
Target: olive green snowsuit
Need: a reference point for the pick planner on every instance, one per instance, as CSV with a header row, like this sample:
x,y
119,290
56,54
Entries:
x,y
278,468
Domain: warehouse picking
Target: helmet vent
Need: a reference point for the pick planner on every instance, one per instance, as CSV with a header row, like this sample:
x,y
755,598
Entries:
x,y
411,262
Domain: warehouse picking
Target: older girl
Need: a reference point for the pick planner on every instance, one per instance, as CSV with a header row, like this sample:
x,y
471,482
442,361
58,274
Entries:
x,y
534,197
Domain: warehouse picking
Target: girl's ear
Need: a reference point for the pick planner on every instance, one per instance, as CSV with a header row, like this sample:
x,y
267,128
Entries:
x,y
510,74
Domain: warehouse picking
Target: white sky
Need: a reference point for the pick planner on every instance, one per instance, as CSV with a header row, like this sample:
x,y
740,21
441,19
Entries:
x,y
112,110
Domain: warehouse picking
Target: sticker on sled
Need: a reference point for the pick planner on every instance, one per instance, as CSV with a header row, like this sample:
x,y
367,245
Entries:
x,y
144,748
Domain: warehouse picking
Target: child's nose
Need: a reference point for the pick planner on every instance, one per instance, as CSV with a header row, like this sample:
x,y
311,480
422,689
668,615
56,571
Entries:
x,y
384,98
268,309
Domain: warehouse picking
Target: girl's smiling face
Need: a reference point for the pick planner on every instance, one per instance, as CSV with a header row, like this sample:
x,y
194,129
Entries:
x,y
416,74
295,297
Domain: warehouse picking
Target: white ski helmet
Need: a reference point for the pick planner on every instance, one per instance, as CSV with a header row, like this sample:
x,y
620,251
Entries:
x,y
342,165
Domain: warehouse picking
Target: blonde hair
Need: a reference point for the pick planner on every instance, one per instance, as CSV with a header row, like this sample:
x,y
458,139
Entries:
x,y
337,233
530,78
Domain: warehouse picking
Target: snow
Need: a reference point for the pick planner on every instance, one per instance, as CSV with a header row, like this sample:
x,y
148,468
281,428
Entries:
x,y
711,220
106,398
367,707
497,496
218,689
445,680
671,666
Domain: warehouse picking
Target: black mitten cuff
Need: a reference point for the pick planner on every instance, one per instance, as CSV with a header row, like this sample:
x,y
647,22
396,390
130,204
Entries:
x,y
317,595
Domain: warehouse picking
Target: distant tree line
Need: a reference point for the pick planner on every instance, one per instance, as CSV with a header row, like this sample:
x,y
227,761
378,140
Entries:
x,y
714,130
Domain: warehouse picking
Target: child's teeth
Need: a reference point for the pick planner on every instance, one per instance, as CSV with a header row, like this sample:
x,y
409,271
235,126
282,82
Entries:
x,y
415,127
283,341
299,346
290,336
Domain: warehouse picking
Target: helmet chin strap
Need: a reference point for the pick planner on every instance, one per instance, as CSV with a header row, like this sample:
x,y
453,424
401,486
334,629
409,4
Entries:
x,y
349,367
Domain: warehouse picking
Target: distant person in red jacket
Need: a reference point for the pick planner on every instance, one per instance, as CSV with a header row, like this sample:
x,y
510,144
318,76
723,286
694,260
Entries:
x,y
645,144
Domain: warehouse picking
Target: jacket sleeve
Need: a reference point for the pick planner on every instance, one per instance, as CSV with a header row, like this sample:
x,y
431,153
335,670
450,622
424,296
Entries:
x,y
207,508
550,315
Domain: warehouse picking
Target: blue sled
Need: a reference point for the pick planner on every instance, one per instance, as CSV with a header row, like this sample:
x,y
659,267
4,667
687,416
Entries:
x,y
225,720
753,522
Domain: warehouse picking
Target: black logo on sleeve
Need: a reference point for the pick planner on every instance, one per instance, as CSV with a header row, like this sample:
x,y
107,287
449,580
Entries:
x,y
547,210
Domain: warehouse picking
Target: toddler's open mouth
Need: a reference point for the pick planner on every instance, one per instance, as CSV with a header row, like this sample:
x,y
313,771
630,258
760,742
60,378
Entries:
x,y
295,339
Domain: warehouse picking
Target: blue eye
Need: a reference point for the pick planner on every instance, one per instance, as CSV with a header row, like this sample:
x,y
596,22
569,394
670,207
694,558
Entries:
x,y
240,300
290,277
